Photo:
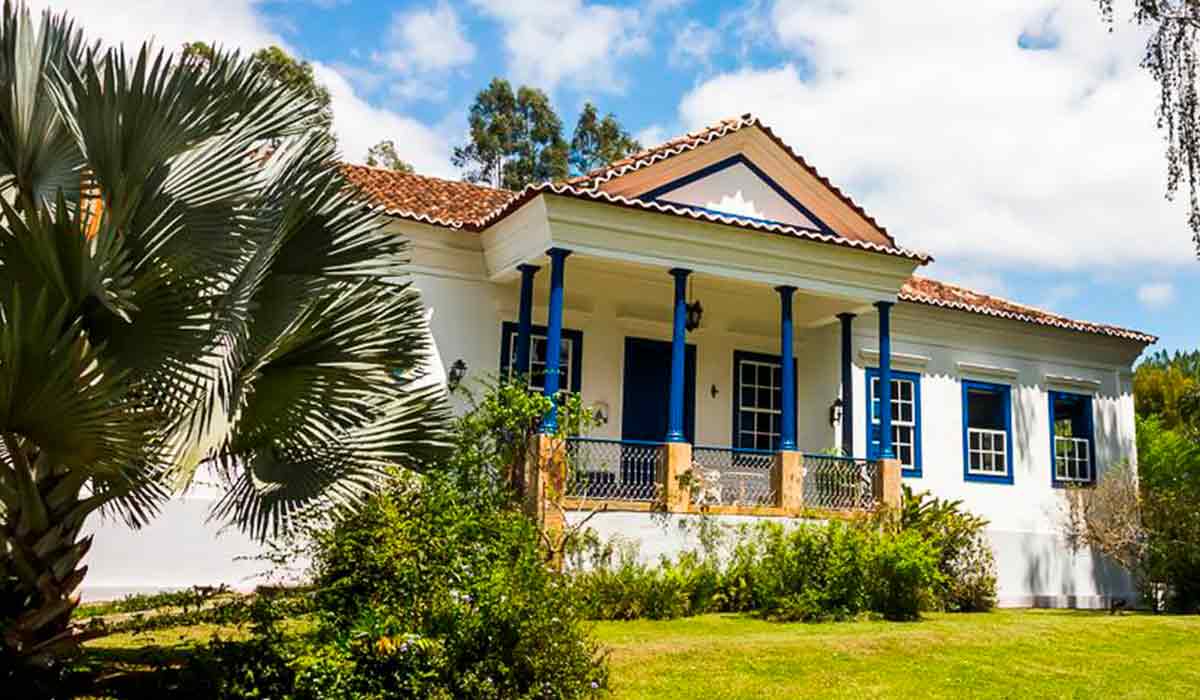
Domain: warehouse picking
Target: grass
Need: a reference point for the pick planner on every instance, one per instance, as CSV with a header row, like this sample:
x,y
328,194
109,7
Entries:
x,y
1005,654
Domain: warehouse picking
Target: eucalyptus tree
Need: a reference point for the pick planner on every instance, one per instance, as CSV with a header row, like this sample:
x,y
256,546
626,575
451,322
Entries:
x,y
1172,58
185,279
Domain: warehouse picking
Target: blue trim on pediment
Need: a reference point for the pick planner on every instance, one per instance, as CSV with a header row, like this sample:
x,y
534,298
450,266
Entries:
x,y
657,193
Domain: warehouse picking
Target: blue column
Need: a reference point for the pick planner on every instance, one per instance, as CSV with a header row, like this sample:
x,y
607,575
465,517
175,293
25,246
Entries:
x,y
847,384
787,430
525,320
885,380
678,340
558,259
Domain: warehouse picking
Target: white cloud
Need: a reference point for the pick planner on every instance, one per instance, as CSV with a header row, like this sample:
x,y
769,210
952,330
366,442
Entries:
x,y
1156,294
1060,294
238,24
651,136
694,45
971,277
427,40
360,125
568,42
961,142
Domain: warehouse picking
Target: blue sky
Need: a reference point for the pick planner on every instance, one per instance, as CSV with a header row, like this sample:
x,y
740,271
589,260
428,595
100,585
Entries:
x,y
1012,139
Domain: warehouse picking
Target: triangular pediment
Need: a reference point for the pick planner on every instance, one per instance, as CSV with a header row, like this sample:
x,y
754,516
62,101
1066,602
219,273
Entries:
x,y
738,168
738,188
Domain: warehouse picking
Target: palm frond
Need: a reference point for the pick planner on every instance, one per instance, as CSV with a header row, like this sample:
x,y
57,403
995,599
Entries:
x,y
39,158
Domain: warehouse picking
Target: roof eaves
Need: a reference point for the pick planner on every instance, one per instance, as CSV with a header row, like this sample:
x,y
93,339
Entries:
x,y
563,189
1052,321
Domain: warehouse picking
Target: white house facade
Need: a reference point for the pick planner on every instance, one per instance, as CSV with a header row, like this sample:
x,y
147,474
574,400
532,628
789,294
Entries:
x,y
716,292
994,403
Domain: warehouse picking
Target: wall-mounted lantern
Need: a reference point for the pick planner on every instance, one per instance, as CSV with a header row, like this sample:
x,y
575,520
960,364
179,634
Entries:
x,y
600,413
835,412
694,313
458,371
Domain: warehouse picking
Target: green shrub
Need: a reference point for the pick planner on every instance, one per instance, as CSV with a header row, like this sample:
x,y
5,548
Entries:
x,y
904,575
966,565
807,572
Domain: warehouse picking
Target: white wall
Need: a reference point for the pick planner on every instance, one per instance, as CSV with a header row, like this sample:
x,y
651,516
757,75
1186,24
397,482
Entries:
x,y
608,302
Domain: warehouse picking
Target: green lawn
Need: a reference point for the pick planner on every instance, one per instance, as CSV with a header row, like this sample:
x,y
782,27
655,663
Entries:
x,y
1006,654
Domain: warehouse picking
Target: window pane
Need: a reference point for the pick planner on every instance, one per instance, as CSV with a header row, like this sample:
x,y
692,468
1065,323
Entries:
x,y
985,409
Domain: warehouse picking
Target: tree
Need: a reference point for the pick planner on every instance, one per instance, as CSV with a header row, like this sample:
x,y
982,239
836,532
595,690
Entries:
x,y
1172,58
172,294
599,141
1168,386
516,139
284,70
383,155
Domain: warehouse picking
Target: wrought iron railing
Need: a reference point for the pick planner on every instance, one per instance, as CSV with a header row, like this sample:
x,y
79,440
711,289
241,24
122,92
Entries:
x,y
729,476
626,470
842,483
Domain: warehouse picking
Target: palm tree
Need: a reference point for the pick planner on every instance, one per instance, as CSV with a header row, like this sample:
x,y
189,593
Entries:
x,y
185,279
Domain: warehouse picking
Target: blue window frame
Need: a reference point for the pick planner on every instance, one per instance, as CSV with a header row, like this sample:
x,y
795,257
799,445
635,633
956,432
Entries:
x,y
987,432
1072,439
570,357
757,400
906,419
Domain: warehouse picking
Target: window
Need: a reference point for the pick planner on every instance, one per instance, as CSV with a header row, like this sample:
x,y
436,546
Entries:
x,y
987,432
570,356
906,419
757,401
1071,440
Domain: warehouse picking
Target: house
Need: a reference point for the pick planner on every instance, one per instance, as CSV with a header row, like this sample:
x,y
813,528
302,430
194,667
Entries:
x,y
726,309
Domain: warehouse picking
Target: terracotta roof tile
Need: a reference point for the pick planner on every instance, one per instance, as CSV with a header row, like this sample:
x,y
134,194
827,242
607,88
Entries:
x,y
922,290
427,199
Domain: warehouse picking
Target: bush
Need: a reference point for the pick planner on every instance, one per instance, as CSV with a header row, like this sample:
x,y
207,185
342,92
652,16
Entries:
x,y
427,594
616,586
808,572
966,565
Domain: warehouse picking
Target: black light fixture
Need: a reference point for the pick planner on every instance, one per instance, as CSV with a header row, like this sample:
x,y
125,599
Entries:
x,y
458,371
694,313
835,412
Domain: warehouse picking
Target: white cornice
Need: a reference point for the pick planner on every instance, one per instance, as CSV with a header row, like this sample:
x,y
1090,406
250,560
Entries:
x,y
900,360
1077,383
976,369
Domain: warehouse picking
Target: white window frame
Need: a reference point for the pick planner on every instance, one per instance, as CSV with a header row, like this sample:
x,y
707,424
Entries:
x,y
774,413
565,361
986,451
985,448
1074,451
899,426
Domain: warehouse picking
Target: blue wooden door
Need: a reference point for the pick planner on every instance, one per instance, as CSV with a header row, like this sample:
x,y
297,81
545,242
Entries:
x,y
647,390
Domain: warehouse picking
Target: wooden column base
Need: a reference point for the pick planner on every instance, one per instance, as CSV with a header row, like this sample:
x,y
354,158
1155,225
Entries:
x,y
787,480
676,496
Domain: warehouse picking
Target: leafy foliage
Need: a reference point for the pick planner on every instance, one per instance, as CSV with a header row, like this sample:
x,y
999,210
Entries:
x,y
809,572
1169,477
516,139
597,141
1171,59
186,279
966,564
384,155
1168,386
285,70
